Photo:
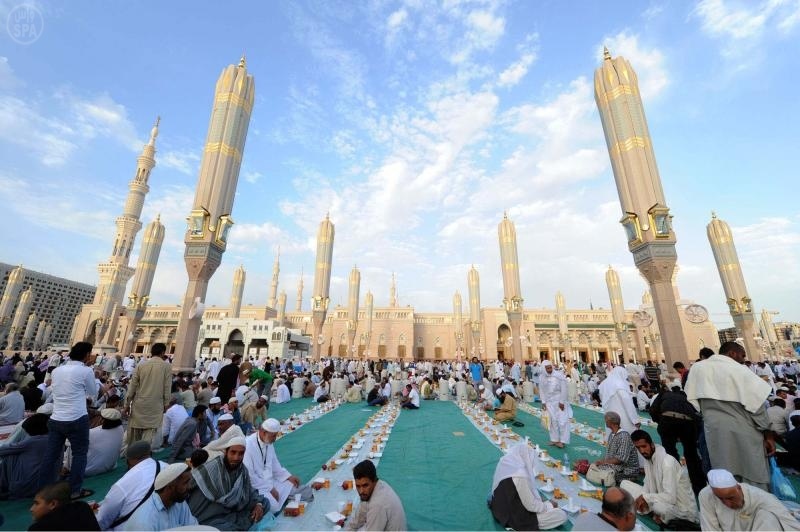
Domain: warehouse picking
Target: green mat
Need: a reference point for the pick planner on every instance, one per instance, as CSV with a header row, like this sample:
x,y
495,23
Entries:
x,y
304,451
441,468
596,420
284,410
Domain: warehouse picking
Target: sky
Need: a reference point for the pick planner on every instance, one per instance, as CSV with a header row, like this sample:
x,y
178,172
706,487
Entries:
x,y
415,124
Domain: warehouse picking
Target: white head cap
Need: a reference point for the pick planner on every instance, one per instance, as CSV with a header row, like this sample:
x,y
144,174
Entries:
x,y
168,474
271,425
215,401
225,417
546,363
721,478
238,440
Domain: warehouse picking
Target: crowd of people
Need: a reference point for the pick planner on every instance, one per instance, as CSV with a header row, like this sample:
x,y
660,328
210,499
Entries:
x,y
72,415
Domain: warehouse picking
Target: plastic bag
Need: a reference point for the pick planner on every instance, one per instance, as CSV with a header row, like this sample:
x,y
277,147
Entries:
x,y
546,420
779,484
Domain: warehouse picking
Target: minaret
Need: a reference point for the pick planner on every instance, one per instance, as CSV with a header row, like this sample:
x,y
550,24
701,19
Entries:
x,y
48,333
474,285
393,292
645,215
37,342
322,280
276,270
30,331
617,310
210,219
281,314
730,273
563,330
352,306
10,295
509,265
769,328
20,317
239,277
299,304
152,241
458,321
368,303
115,273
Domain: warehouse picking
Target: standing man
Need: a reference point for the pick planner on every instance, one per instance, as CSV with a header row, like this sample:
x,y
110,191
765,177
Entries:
x,y
148,395
228,379
553,393
732,401
267,475
72,384
380,507
476,371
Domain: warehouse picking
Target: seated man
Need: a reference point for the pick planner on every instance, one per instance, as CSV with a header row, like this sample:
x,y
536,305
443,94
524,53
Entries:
x,y
427,389
267,475
620,454
132,489
173,419
486,399
617,513
166,508
353,393
507,410
282,394
188,435
20,464
380,507
12,405
254,414
777,419
227,431
515,501
105,444
791,442
322,392
725,504
411,400
309,389
642,399
52,509
220,493
667,492
375,397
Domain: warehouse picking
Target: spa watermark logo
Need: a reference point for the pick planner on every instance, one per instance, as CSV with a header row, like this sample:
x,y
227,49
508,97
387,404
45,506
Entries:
x,y
25,24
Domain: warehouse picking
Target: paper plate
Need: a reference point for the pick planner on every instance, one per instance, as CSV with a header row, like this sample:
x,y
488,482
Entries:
x,y
545,489
340,461
334,517
572,510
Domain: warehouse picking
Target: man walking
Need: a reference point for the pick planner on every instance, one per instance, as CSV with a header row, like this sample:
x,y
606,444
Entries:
x,y
72,384
148,395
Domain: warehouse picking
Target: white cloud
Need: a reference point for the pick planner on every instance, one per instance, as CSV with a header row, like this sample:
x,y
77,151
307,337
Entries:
x,y
394,25
515,72
252,176
486,28
649,63
102,116
48,140
186,162
8,80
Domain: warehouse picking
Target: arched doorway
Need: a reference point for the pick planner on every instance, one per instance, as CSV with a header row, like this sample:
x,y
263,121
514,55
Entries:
x,y
235,343
503,334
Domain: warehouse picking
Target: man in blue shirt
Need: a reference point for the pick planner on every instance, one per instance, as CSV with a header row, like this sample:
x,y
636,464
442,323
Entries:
x,y
476,370
166,508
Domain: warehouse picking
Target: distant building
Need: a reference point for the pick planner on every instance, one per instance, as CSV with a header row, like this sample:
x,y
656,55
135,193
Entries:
x,y
55,300
727,335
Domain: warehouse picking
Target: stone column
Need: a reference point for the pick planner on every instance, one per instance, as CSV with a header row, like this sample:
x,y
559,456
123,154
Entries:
x,y
512,300
20,317
352,307
239,277
322,280
10,295
281,315
474,285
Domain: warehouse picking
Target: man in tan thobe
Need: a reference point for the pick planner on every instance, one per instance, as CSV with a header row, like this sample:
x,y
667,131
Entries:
x,y
148,394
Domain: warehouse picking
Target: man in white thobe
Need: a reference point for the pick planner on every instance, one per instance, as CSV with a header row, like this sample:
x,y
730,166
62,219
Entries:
x,y
667,491
282,394
227,431
553,393
267,475
726,504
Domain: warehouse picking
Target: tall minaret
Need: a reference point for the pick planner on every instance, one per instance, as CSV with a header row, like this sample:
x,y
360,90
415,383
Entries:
x,y
322,280
10,295
368,303
458,321
239,277
210,219
563,330
115,273
617,310
276,270
474,285
30,331
37,341
48,333
20,317
152,241
769,328
299,304
352,306
393,292
281,310
730,273
645,215
512,300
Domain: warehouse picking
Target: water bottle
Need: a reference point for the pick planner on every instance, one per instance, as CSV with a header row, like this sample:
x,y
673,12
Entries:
x,y
566,462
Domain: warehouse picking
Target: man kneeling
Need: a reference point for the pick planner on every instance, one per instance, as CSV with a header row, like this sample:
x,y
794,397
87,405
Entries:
x,y
515,502
667,491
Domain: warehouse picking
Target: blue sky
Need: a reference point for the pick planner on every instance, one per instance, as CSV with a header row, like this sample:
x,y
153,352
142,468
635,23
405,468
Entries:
x,y
416,124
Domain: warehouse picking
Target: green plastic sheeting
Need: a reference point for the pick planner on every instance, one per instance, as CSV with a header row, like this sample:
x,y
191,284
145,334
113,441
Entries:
x,y
442,478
